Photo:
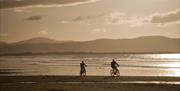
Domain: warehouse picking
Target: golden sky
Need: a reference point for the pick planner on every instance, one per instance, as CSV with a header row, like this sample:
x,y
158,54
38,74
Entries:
x,y
83,20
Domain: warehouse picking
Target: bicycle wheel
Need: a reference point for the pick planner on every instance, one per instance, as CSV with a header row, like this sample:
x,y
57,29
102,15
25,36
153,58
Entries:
x,y
111,72
83,72
117,73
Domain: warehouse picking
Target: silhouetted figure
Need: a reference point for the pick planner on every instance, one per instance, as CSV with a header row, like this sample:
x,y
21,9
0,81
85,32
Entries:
x,y
83,69
114,66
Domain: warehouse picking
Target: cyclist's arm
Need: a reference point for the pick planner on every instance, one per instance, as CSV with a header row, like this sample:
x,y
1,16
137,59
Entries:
x,y
85,65
117,64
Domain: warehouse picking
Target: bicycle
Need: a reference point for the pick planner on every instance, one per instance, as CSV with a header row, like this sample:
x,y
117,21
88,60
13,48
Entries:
x,y
117,73
83,72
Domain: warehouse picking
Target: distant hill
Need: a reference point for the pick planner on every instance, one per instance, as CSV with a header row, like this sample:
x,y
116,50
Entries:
x,y
3,43
151,44
38,40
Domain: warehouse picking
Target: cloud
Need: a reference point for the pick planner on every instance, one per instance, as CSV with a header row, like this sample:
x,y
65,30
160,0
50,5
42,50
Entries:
x,y
79,18
3,34
122,18
115,18
172,17
76,21
99,30
24,4
18,10
43,32
83,19
34,18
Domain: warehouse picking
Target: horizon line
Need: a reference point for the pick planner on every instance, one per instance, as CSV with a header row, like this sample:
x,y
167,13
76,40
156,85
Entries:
x,y
86,40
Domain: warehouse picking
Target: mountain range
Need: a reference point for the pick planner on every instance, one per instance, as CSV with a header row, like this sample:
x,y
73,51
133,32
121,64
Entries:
x,y
146,44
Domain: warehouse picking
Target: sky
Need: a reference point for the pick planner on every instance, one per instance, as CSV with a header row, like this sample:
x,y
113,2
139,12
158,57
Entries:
x,y
83,20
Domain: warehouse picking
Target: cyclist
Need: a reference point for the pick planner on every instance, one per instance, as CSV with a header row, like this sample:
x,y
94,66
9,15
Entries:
x,y
83,69
114,66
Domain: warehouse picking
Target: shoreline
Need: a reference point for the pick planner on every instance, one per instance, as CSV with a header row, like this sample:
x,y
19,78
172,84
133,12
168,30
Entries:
x,y
88,83
51,78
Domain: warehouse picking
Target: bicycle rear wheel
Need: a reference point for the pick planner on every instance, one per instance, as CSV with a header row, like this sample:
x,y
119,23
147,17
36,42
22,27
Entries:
x,y
117,73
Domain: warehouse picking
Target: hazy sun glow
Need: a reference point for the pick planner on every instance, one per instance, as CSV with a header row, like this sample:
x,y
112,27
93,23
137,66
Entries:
x,y
172,64
175,72
174,67
170,56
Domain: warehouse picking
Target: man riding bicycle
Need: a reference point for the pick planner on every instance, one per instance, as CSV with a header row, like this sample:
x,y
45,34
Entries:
x,y
83,69
114,66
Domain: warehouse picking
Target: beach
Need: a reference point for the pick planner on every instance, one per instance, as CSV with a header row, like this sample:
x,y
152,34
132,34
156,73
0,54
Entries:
x,y
89,83
138,72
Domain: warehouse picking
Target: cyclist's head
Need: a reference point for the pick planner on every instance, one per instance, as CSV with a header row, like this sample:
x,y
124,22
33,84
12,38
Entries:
x,y
82,61
113,60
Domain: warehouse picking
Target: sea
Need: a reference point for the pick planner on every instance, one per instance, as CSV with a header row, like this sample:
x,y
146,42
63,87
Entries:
x,y
97,64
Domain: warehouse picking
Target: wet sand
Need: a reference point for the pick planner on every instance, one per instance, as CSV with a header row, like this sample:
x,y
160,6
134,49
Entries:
x,y
89,83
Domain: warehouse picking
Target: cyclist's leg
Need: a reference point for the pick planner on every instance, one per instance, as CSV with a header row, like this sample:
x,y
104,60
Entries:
x,y
113,69
116,70
81,72
84,71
